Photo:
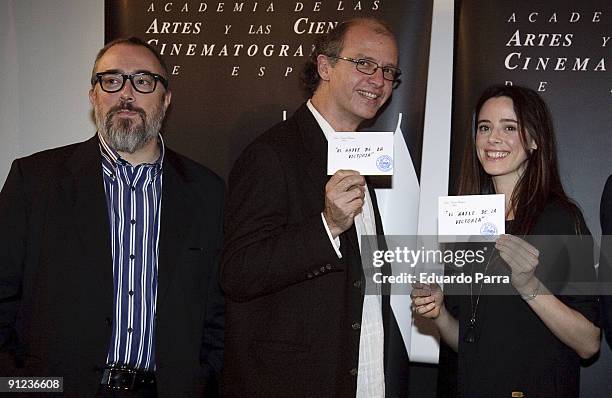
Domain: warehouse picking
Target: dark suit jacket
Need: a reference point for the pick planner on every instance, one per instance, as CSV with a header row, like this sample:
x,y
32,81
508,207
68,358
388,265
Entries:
x,y
293,309
56,283
605,260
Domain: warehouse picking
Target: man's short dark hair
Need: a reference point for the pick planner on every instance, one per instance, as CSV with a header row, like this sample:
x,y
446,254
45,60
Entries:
x,y
134,41
331,44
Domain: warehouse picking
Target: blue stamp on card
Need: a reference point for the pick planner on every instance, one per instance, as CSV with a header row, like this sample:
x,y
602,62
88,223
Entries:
x,y
488,229
384,163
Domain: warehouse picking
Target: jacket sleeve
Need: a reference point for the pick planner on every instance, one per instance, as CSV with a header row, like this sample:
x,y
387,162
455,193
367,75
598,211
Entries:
x,y
264,251
12,255
605,260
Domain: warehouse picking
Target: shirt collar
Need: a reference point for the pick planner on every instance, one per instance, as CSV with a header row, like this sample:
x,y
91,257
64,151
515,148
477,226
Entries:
x,y
324,124
114,158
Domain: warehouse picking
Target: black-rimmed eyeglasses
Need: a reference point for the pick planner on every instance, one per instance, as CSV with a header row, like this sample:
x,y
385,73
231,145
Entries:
x,y
143,82
369,67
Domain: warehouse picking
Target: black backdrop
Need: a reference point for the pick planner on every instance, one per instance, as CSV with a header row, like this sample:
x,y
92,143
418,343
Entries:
x,y
214,115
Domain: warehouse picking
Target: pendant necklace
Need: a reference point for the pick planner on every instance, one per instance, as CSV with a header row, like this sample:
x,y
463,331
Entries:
x,y
470,334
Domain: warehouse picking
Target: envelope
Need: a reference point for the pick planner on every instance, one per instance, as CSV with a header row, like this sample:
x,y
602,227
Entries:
x,y
471,218
369,153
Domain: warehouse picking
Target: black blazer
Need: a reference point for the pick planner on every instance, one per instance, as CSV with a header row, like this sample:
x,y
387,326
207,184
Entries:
x,y
56,284
293,308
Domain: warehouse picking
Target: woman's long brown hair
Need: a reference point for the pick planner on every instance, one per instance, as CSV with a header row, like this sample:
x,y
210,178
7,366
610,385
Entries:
x,y
540,183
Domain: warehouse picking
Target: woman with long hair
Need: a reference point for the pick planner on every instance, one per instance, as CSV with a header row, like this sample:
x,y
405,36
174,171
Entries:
x,y
529,342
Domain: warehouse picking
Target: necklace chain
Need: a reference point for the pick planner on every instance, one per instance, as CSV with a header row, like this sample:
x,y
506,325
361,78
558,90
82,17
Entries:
x,y
470,335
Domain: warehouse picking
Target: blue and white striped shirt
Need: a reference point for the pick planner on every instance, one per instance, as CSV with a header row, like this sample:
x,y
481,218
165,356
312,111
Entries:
x,y
133,197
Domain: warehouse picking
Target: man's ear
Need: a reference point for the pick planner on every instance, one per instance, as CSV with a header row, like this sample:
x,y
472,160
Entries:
x,y
167,99
92,96
323,67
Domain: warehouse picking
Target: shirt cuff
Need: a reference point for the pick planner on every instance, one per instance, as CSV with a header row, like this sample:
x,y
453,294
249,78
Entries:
x,y
335,242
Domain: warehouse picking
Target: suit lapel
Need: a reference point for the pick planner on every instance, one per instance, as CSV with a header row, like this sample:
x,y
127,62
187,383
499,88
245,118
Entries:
x,y
314,154
377,219
177,200
83,190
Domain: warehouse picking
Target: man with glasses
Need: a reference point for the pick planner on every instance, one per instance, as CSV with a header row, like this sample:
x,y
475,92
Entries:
x,y
298,323
108,251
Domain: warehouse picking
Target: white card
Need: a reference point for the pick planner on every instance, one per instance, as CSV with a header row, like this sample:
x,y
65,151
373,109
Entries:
x,y
368,153
471,218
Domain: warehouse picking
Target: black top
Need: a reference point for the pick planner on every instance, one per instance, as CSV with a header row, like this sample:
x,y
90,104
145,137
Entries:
x,y
514,350
605,260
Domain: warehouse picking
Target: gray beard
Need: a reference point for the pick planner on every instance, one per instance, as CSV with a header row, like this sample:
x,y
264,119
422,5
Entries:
x,y
126,135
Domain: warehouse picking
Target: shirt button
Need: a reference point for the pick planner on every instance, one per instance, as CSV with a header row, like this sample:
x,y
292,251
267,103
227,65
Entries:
x,y
356,326
130,330
132,256
133,222
357,284
133,188
131,292
353,372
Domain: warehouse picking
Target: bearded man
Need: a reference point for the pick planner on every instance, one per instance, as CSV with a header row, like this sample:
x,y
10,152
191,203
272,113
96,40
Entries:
x,y
108,251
